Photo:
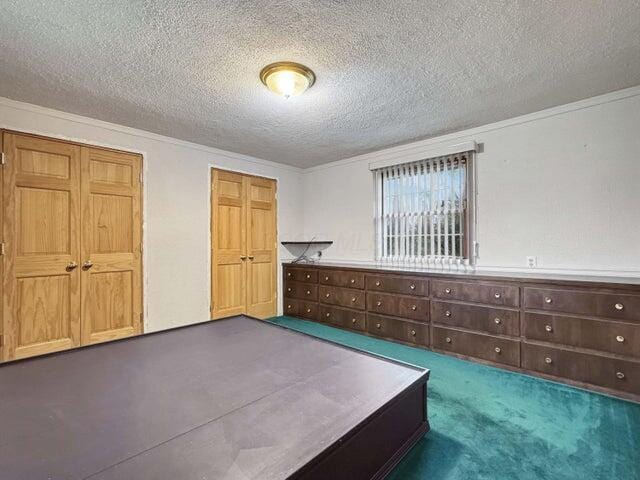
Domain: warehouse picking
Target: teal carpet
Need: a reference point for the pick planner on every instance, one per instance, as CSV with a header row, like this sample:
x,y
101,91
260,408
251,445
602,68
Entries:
x,y
488,423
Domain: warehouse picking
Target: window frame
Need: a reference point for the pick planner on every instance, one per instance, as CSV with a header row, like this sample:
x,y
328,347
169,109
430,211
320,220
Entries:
x,y
468,244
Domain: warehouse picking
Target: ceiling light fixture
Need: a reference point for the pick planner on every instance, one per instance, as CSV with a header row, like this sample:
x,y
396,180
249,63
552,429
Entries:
x,y
287,79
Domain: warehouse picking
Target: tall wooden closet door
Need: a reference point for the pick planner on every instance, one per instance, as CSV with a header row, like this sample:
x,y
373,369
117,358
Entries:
x,y
41,188
111,265
261,247
228,235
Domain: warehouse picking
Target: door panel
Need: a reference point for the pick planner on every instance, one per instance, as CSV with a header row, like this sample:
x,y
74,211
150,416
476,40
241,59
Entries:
x,y
243,253
41,197
112,299
112,223
228,234
261,247
111,245
38,208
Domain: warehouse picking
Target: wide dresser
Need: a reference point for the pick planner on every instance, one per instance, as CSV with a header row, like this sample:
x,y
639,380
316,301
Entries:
x,y
584,331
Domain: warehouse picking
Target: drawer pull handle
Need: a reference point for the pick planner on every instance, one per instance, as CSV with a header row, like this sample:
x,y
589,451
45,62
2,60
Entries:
x,y
289,289
288,306
548,300
414,307
619,306
354,299
412,286
288,274
353,320
620,338
308,276
308,292
413,333
308,310
548,328
326,278
377,284
498,349
353,280
548,360
328,315
379,304
497,321
448,339
620,375
327,295
447,290
447,313
497,294
378,325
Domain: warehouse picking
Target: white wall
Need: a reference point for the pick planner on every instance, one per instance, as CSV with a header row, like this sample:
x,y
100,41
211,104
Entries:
x,y
562,184
176,211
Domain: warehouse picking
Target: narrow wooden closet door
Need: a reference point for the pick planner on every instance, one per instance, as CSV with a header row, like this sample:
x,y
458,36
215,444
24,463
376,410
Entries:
x,y
41,188
261,247
111,245
228,242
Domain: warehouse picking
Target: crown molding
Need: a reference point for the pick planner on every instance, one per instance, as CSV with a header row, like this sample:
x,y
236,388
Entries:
x,y
72,117
399,153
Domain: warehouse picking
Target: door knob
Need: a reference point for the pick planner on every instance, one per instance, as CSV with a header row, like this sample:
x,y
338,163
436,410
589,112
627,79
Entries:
x,y
71,266
87,264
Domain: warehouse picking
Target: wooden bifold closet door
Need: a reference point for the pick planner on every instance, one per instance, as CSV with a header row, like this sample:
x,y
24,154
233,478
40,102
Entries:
x,y
72,269
243,233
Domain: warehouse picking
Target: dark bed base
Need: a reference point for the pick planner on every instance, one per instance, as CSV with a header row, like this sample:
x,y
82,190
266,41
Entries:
x,y
166,447
376,446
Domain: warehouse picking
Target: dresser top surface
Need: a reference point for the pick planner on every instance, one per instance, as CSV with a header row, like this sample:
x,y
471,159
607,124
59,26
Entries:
x,y
523,277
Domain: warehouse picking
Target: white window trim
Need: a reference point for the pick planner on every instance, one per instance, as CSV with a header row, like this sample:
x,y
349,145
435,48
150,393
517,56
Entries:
x,y
425,154
440,263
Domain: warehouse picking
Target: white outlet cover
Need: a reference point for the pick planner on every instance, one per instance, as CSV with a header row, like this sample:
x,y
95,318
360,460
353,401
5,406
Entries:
x,y
532,262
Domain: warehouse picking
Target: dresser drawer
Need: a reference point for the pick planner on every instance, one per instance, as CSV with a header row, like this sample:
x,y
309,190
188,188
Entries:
x,y
589,368
614,337
342,278
301,275
473,317
308,310
492,294
290,307
584,302
486,347
341,317
343,297
302,291
402,330
403,285
398,306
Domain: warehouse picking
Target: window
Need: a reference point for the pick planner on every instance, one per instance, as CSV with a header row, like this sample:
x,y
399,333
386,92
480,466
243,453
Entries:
x,y
423,214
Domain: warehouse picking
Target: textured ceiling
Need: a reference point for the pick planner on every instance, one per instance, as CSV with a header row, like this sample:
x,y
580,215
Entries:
x,y
389,72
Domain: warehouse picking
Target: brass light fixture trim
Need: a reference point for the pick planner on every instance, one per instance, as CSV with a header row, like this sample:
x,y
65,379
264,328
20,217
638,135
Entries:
x,y
292,67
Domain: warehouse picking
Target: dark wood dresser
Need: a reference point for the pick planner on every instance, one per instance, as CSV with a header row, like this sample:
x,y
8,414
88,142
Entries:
x,y
584,331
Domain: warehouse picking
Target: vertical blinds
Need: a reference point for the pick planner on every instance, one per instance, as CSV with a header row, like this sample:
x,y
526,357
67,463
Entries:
x,y
421,212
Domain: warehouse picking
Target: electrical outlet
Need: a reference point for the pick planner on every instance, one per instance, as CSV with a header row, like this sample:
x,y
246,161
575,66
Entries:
x,y
532,262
